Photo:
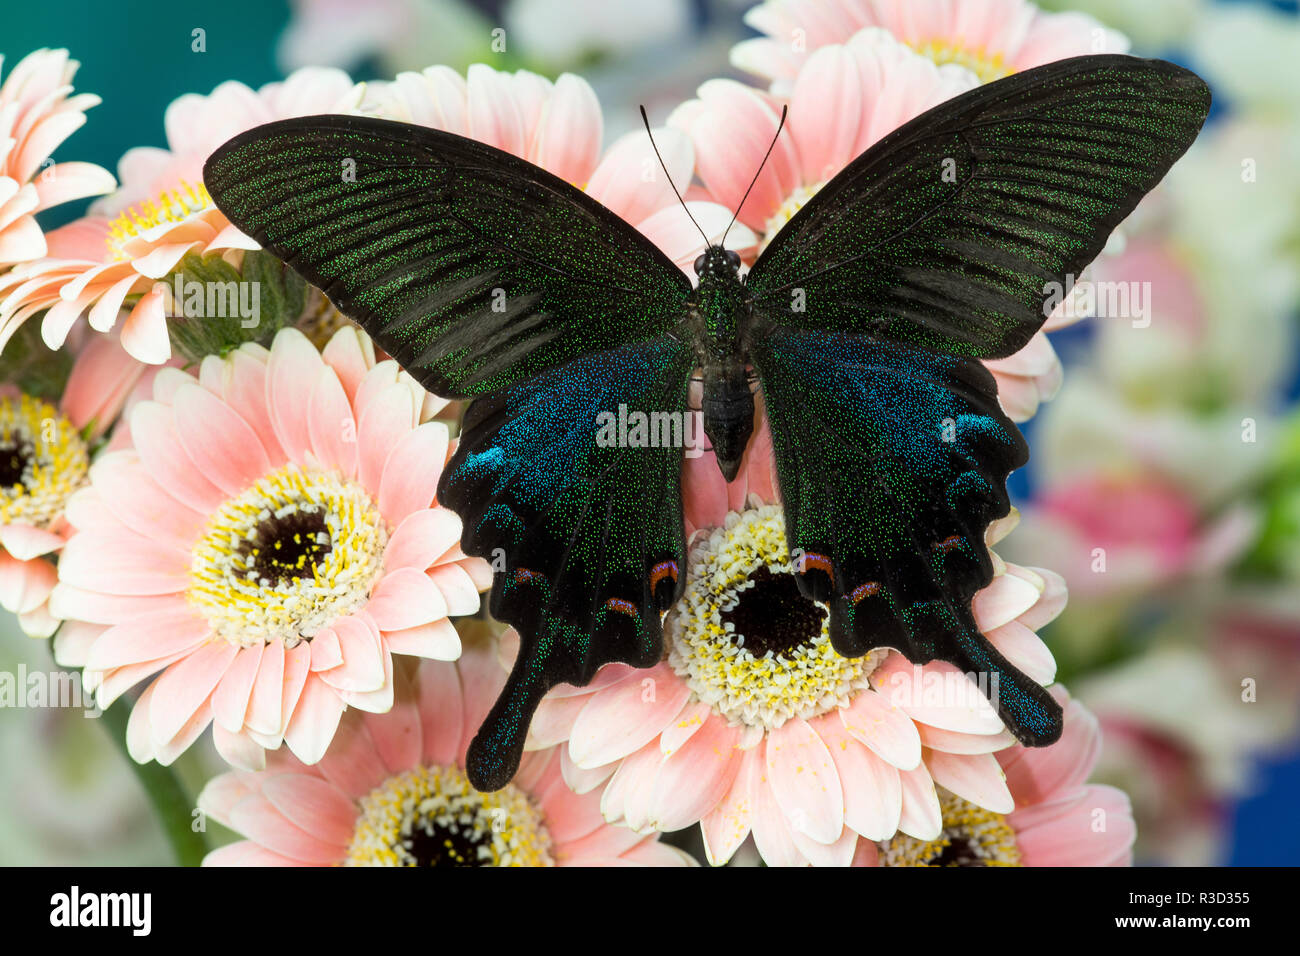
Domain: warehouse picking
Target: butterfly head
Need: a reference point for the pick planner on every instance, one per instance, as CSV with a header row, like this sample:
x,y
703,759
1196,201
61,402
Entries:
x,y
718,263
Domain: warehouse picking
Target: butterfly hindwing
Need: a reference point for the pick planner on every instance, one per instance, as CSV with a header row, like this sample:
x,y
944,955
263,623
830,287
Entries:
x,y
570,484
954,232
892,461
473,268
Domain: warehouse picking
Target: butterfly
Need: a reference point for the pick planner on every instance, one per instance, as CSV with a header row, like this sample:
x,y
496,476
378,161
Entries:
x,y
864,320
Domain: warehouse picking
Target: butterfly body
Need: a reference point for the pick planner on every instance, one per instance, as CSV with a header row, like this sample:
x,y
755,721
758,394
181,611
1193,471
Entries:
x,y
865,322
719,320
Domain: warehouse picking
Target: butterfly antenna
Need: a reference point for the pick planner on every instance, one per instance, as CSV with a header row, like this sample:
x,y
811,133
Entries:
x,y
784,109
645,119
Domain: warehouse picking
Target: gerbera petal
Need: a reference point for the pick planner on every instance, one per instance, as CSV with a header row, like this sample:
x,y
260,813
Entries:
x,y
974,777
264,703
410,478
153,432
1007,597
458,589
144,333
1092,826
406,598
884,728
398,737
421,537
185,687
770,827
351,355
441,712
873,792
25,542
350,762
330,424
578,779
692,779
126,564
230,700
937,694
246,853
148,637
313,805
804,780
255,816
293,365
362,669
315,719
725,827
567,141
125,487
626,717
381,423
239,750
553,721
1024,649
437,640
920,817
839,853
223,446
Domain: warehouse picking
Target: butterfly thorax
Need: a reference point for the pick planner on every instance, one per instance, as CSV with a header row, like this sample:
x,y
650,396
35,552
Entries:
x,y
716,315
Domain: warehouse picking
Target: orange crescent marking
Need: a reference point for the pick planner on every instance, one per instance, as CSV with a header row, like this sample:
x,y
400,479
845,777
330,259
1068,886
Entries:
x,y
623,607
819,561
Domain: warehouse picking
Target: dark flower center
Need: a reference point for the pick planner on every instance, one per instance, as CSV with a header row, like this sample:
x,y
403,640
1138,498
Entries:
x,y
16,455
773,616
960,851
288,547
432,844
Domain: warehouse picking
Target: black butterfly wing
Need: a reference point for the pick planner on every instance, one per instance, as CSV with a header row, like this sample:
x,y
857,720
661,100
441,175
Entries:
x,y
953,231
939,246
892,461
486,277
589,529
473,268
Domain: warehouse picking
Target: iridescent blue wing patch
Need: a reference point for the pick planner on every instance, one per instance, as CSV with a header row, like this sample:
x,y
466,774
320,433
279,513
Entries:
x,y
473,268
892,461
570,484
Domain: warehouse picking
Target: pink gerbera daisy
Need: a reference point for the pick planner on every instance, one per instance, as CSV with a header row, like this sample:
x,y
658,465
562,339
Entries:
x,y
37,113
753,723
393,792
44,459
559,127
993,38
268,542
1059,818
1125,533
844,98
112,259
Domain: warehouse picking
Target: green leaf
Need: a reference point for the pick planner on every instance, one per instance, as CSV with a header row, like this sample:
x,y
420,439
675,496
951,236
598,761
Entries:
x,y
220,307
29,364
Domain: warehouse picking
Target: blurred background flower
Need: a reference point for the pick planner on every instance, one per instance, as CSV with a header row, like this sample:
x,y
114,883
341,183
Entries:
x,y
1165,478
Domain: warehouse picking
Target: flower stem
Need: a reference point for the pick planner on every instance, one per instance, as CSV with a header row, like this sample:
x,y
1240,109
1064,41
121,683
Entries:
x,y
174,807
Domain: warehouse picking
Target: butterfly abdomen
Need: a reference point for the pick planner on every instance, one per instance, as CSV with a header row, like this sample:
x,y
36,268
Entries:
x,y
728,407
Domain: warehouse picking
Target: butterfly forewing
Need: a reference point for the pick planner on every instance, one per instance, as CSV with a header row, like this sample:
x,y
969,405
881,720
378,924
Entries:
x,y
471,267
953,232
